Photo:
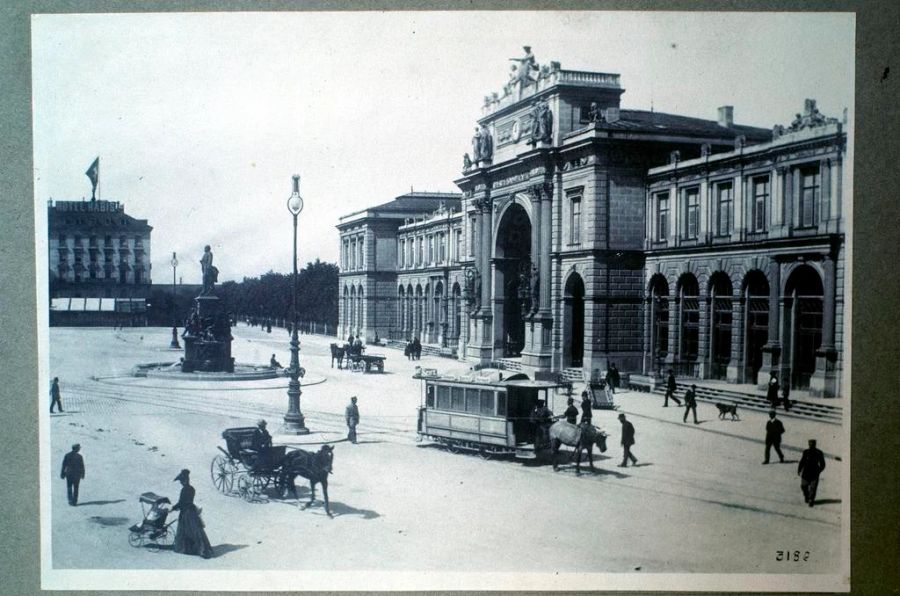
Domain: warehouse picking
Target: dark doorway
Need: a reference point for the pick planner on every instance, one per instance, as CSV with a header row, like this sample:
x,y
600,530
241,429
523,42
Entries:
x,y
659,319
513,257
721,300
690,326
574,318
803,300
757,304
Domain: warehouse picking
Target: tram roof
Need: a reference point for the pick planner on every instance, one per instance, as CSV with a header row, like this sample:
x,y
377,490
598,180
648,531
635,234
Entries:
x,y
493,376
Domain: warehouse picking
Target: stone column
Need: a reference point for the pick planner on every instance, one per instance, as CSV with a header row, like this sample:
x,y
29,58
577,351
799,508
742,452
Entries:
x,y
484,317
736,370
771,352
704,354
824,379
674,329
649,347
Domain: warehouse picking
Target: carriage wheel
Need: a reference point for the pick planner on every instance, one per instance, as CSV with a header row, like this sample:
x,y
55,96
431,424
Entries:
x,y
485,454
164,539
452,447
222,473
135,539
260,484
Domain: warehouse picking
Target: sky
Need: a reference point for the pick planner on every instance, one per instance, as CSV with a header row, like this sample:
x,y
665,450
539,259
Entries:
x,y
201,119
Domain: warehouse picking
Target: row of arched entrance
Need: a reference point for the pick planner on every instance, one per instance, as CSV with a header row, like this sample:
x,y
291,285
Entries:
x,y
719,331
427,313
352,311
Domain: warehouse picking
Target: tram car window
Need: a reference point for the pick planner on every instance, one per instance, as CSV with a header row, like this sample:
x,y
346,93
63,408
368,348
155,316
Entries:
x,y
429,396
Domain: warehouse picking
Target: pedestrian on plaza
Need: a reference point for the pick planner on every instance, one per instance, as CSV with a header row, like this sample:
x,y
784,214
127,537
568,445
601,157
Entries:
x,y
190,537
352,416
54,395
273,363
774,430
417,348
350,339
586,410
627,442
690,403
612,377
72,472
571,411
671,387
408,350
812,462
541,418
772,389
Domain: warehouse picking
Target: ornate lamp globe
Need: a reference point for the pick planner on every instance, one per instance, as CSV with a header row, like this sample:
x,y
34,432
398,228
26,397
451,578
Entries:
x,y
295,202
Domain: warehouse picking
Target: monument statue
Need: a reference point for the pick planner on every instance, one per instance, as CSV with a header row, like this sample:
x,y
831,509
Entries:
x,y
467,162
210,273
487,144
476,145
526,65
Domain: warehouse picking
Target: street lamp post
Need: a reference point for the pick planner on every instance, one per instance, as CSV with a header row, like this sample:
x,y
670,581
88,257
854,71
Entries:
x,y
293,419
174,345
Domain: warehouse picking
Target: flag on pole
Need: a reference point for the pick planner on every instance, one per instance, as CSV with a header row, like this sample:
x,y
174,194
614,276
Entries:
x,y
93,173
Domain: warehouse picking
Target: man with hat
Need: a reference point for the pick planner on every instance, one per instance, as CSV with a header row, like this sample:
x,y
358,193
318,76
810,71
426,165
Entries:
x,y
571,411
812,463
690,403
352,416
542,418
54,395
72,472
586,410
263,438
627,442
774,430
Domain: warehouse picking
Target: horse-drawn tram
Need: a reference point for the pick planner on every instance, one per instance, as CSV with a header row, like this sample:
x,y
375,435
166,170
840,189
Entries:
x,y
486,412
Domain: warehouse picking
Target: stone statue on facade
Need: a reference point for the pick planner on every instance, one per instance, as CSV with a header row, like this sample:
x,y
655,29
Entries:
x,y
473,288
467,162
487,144
594,113
535,287
210,273
476,145
546,120
526,65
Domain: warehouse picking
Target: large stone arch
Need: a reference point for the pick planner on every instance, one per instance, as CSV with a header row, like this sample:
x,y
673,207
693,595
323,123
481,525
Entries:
x,y
512,247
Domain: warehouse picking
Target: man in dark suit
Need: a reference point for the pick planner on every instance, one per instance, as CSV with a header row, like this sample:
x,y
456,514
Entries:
x,y
571,411
612,377
812,462
627,442
73,472
690,403
772,389
586,410
54,395
774,430
671,386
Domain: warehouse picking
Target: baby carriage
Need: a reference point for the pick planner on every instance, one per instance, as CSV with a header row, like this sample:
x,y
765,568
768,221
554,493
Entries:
x,y
153,529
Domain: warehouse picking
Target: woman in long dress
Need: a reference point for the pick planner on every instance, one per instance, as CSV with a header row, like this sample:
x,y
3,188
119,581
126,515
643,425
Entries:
x,y
190,538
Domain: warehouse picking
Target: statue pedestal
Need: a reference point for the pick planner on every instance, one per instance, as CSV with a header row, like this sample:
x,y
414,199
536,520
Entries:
x,y
209,350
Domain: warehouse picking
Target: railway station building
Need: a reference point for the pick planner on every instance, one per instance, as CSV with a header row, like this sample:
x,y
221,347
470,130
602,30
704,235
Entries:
x,y
589,234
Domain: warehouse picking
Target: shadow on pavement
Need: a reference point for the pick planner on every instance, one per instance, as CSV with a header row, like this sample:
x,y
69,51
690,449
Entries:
x,y
224,549
826,501
84,503
339,509
109,521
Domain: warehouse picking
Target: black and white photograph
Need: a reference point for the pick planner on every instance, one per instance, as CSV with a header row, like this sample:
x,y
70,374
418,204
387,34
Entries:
x,y
444,300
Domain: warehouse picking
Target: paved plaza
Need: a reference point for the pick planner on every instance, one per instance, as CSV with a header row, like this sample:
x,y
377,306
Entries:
x,y
700,500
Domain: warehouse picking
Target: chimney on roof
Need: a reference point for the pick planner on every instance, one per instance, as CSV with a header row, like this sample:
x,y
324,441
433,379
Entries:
x,y
726,116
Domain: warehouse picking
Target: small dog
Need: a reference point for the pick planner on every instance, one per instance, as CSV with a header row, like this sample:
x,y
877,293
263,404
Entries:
x,y
728,409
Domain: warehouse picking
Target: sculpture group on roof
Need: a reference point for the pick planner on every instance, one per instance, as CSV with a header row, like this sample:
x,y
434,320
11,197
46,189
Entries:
x,y
810,118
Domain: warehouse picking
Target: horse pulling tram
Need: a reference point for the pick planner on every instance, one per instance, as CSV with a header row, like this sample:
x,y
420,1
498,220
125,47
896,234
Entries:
x,y
491,414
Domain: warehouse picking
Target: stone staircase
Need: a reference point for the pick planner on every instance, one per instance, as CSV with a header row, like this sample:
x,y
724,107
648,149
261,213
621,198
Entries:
x,y
427,349
831,414
510,363
572,375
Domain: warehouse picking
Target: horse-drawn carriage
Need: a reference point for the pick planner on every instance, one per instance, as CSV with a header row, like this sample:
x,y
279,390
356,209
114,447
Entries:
x,y
488,414
254,466
356,359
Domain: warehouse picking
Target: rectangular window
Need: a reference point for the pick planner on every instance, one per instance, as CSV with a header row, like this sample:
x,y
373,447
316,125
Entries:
x,y
107,241
724,208
691,213
472,236
760,202
575,222
359,246
501,403
458,403
443,398
429,396
442,255
458,253
421,251
487,403
809,196
473,401
62,240
401,253
662,217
